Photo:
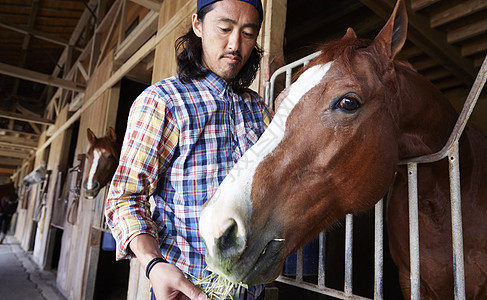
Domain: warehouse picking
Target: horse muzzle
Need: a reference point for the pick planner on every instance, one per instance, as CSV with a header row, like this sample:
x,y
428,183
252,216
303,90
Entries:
x,y
91,193
236,250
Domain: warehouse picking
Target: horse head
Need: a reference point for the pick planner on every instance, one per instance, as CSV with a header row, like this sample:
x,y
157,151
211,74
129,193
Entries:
x,y
102,158
331,149
36,176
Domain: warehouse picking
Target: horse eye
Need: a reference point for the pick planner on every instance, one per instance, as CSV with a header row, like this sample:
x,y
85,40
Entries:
x,y
348,104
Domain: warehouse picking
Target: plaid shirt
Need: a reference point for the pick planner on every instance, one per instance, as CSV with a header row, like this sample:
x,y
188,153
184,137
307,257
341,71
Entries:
x,y
180,143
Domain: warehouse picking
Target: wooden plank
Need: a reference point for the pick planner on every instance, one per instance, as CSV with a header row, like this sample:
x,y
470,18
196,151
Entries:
x,y
18,141
474,48
10,161
448,83
146,28
6,171
26,135
429,40
17,146
8,153
420,4
39,77
154,5
437,74
37,34
460,10
467,31
410,51
423,64
337,13
22,117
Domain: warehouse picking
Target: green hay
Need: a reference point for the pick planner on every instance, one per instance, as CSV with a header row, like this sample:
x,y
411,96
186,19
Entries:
x,y
218,287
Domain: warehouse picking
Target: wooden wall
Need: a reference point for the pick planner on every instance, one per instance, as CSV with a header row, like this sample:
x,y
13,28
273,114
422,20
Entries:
x,y
74,265
58,153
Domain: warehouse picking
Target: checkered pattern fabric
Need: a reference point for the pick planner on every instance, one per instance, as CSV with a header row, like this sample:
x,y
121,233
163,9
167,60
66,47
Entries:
x,y
180,143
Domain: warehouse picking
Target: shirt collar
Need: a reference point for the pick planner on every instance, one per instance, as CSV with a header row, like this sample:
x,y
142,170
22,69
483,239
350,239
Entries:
x,y
216,82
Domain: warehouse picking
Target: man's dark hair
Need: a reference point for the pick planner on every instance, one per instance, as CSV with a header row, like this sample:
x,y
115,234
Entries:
x,y
188,56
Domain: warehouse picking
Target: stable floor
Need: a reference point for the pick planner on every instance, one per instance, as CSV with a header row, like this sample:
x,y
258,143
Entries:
x,y
20,277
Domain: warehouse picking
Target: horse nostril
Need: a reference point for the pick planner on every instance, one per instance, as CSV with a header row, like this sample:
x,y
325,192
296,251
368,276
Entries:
x,y
229,243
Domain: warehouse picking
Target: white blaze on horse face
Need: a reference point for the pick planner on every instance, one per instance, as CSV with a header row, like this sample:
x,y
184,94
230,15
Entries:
x,y
94,165
232,199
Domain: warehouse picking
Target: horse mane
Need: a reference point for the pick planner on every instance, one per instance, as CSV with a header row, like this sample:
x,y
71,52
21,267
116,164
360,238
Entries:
x,y
345,49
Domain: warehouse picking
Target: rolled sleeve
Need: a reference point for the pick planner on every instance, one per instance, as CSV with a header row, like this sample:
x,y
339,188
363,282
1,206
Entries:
x,y
149,143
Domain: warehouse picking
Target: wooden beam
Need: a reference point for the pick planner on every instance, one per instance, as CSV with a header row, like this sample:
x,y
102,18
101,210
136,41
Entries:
x,y
467,31
22,117
27,112
37,34
420,4
17,146
429,40
150,4
39,77
27,135
460,10
12,140
474,48
10,161
141,33
423,64
6,171
14,154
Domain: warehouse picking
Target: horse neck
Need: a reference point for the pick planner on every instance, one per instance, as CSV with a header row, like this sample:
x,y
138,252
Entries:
x,y
426,116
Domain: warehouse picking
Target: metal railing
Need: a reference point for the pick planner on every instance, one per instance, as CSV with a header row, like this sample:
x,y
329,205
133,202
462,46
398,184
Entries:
x,y
451,149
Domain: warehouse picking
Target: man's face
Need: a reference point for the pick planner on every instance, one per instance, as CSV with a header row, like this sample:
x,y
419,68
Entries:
x,y
228,34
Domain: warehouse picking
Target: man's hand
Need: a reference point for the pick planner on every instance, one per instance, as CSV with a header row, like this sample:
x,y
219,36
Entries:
x,y
168,282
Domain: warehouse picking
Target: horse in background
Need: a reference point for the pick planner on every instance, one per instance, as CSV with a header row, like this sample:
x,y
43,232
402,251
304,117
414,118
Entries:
x,y
8,206
102,156
367,112
39,174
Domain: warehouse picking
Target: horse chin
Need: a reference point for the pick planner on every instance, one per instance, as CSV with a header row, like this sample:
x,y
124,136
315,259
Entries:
x,y
93,192
247,270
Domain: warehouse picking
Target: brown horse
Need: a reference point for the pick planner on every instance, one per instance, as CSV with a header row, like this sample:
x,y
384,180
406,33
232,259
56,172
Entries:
x,y
102,161
332,149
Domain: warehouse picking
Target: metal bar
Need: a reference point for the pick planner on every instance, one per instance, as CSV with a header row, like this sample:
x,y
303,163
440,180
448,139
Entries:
x,y
468,107
289,77
299,265
284,69
379,250
413,230
456,219
314,288
321,260
348,289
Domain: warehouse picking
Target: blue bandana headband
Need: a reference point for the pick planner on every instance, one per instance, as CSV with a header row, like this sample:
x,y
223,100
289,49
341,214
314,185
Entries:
x,y
256,3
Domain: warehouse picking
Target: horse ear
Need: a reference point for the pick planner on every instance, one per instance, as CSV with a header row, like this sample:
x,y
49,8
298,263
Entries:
x,y
91,136
393,35
112,135
350,34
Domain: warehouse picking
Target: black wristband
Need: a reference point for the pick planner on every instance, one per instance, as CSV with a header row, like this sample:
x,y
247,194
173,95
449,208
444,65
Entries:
x,y
152,263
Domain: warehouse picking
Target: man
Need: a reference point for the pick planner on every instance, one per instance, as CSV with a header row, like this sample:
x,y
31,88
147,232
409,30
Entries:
x,y
8,206
183,136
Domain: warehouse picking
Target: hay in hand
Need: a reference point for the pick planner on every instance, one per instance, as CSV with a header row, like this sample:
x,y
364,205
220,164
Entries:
x,y
218,287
